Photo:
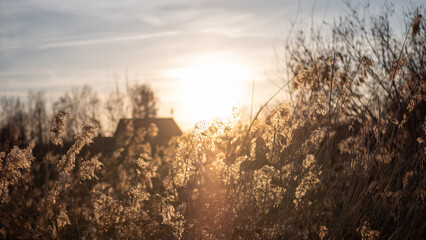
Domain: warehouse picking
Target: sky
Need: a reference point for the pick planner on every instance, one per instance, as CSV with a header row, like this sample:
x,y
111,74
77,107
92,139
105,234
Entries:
x,y
199,57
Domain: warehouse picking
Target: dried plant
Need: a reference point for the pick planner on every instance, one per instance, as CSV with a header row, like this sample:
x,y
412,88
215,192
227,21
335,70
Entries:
x,y
57,129
344,160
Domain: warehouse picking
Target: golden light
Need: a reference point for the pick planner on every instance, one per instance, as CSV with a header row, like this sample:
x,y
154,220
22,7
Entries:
x,y
210,87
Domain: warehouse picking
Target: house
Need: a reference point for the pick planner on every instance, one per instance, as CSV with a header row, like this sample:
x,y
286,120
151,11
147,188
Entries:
x,y
167,129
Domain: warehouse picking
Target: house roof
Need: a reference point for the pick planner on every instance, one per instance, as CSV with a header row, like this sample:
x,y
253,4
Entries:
x,y
103,144
167,128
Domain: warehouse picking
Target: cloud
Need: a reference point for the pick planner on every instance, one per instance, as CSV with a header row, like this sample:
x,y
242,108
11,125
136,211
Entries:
x,y
107,40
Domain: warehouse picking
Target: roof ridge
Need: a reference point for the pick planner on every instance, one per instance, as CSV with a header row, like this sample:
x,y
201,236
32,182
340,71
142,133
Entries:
x,y
145,118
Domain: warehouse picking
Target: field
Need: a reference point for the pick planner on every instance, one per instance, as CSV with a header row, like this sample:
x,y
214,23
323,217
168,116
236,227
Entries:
x,y
344,159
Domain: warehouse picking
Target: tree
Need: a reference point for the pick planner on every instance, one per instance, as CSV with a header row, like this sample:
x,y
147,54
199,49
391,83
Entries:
x,y
12,123
143,101
37,116
116,108
82,105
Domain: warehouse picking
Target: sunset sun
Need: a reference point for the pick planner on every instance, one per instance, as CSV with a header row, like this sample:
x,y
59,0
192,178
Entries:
x,y
210,87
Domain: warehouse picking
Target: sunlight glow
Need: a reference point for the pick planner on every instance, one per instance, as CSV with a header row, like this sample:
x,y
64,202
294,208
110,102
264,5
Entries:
x,y
211,87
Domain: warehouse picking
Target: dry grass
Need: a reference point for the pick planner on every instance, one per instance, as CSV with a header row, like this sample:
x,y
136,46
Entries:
x,y
346,160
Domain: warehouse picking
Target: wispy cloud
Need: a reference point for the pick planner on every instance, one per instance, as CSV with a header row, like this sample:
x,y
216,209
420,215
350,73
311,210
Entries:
x,y
107,40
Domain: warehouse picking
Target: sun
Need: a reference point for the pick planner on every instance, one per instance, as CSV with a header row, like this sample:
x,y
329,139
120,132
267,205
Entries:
x,y
211,87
